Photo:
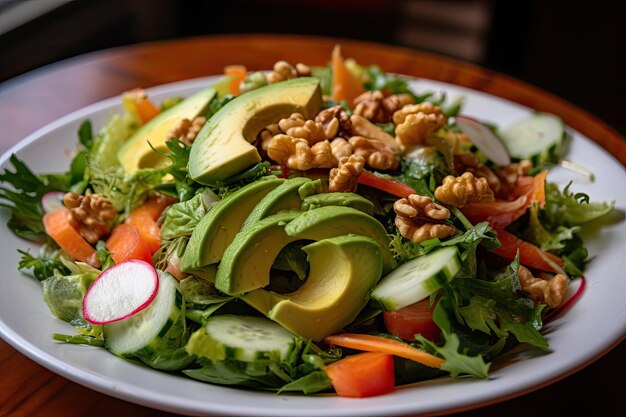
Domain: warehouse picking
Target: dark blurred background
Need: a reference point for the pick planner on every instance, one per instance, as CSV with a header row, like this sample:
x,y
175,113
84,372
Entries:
x,y
573,49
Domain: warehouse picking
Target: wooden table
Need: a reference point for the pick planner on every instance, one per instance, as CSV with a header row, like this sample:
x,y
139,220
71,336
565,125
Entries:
x,y
39,97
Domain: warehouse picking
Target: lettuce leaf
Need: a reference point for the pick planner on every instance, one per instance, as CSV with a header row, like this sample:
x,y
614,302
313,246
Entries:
x,y
64,296
183,217
571,209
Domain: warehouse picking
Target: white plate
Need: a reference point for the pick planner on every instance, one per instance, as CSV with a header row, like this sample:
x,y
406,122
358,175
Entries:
x,y
596,322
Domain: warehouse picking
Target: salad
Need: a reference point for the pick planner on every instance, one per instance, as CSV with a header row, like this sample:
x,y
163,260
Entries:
x,y
307,229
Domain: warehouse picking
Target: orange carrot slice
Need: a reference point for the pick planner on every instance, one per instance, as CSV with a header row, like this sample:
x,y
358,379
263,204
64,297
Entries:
x,y
370,343
146,109
539,188
154,206
149,231
236,73
125,243
61,231
345,86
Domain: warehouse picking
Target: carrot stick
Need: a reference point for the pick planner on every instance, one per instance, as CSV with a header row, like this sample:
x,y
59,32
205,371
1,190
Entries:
x,y
371,343
61,231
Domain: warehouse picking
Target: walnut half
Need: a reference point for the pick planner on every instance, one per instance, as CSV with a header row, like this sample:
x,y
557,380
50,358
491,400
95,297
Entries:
x,y
418,218
462,190
543,291
90,215
344,178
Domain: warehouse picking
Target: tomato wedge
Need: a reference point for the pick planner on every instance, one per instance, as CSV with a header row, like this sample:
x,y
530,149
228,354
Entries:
x,y
529,254
362,375
411,320
387,185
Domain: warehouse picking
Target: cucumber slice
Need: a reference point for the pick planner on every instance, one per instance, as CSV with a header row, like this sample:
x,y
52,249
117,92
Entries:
x,y
416,279
155,330
539,138
243,338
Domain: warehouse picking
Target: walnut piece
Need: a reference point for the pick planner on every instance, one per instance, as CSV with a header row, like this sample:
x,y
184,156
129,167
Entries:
x,y
90,215
340,148
186,130
344,178
265,136
374,106
295,153
363,127
298,127
335,121
418,219
376,154
283,70
509,174
543,291
415,122
462,190
467,162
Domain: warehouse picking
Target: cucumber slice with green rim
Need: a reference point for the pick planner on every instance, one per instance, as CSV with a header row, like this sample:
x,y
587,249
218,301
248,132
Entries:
x,y
539,138
243,338
416,279
151,331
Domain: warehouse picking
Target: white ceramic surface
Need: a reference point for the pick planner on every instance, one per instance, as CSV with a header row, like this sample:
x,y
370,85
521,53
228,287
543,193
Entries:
x,y
594,324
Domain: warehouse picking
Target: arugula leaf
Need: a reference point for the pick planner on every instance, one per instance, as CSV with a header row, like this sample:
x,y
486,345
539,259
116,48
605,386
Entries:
x,y
43,266
514,312
22,196
457,362
377,79
301,371
85,134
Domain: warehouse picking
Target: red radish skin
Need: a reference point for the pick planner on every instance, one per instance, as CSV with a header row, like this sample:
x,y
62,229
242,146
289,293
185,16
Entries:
x,y
52,201
484,139
569,302
120,291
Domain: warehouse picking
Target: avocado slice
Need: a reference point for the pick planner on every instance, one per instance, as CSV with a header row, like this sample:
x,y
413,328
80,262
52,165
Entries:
x,y
222,148
338,199
247,261
218,227
324,222
283,197
136,153
343,270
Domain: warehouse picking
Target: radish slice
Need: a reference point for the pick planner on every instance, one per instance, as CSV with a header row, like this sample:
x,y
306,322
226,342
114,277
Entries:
x,y
52,201
485,140
120,291
574,292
